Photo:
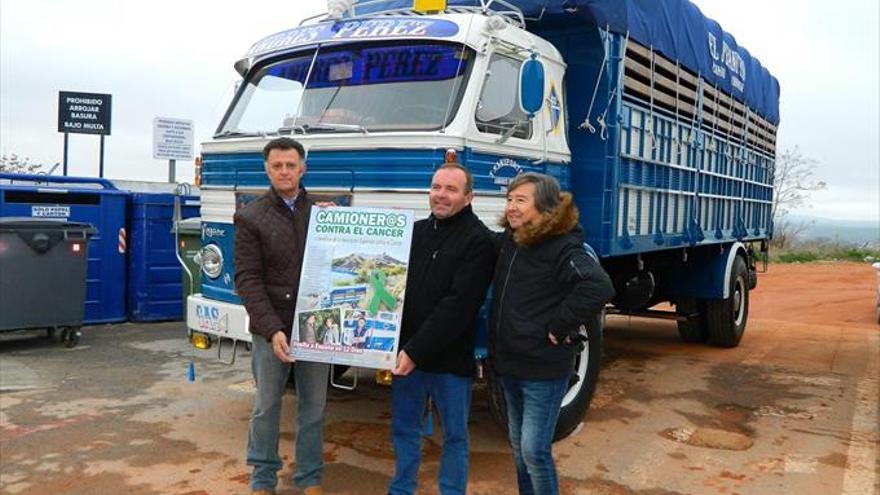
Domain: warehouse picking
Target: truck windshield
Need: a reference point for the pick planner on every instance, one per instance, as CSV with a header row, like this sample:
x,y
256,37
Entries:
x,y
411,86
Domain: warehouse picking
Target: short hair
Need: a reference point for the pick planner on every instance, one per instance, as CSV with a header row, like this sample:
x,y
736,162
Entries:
x,y
468,177
283,143
547,189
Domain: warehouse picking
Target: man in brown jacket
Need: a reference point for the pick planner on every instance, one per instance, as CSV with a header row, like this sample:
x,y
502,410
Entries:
x,y
270,237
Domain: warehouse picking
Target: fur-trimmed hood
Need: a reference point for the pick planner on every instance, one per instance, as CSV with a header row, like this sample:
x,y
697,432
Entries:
x,y
558,221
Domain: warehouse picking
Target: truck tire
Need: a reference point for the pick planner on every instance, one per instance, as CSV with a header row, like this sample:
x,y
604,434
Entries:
x,y
582,385
727,318
694,329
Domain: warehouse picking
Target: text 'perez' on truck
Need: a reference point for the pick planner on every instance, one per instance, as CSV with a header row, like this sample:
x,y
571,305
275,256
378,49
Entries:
x,y
662,127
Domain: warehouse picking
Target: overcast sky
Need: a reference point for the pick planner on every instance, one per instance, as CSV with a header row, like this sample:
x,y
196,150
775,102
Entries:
x,y
174,59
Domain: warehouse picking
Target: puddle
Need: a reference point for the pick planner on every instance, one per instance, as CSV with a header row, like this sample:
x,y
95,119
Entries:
x,y
371,439
800,464
711,438
726,429
783,412
600,486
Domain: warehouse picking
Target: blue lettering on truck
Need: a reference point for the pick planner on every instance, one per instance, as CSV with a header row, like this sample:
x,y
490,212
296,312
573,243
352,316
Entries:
x,y
356,30
209,317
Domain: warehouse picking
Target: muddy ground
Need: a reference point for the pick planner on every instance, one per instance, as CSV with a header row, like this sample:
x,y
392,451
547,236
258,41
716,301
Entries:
x,y
793,409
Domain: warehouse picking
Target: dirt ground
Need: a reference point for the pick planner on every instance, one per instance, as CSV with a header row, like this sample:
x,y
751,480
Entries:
x,y
793,409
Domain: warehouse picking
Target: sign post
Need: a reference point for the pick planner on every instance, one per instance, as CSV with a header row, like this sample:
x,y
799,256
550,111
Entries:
x,y
172,141
84,113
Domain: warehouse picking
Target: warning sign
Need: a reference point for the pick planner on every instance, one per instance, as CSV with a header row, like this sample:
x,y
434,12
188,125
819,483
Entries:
x,y
172,139
84,113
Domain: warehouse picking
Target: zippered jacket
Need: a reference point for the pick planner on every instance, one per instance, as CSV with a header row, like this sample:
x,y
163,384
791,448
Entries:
x,y
450,268
270,240
545,282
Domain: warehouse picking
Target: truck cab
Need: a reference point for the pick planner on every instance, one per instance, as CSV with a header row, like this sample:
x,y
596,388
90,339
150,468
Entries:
x,y
378,103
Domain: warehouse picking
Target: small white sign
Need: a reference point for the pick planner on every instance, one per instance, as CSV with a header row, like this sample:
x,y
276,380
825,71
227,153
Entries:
x,y
50,211
172,139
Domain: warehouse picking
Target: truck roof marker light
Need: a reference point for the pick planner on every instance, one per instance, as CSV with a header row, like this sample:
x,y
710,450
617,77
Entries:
x,y
336,9
450,156
427,6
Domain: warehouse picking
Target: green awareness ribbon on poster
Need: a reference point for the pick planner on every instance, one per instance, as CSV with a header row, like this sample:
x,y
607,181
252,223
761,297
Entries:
x,y
380,293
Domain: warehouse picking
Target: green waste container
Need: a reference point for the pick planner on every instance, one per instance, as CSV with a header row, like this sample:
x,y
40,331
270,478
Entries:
x,y
189,242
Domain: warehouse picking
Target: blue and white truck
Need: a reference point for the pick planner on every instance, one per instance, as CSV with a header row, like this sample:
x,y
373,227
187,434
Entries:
x,y
661,125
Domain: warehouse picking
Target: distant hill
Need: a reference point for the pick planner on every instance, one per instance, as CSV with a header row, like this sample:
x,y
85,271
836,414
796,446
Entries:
x,y
858,232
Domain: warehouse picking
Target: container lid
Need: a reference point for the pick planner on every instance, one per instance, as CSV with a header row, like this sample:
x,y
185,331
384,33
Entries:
x,y
19,224
192,225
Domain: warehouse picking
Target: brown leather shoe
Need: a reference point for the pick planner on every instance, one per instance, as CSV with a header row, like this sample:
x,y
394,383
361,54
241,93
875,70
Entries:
x,y
263,492
313,490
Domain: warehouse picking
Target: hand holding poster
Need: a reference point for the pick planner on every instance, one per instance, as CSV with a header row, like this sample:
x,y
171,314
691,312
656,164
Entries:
x,y
350,301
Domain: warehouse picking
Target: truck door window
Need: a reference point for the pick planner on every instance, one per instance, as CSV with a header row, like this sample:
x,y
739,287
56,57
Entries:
x,y
498,108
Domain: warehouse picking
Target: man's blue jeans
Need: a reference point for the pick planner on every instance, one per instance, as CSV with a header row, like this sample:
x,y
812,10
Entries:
x,y
532,411
452,395
311,391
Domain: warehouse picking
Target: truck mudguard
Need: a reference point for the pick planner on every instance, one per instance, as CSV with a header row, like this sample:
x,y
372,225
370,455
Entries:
x,y
706,273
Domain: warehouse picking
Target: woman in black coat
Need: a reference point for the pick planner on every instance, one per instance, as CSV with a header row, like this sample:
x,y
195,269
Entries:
x,y
545,287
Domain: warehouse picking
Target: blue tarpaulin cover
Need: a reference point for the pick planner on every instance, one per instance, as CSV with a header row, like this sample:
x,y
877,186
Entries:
x,y
675,28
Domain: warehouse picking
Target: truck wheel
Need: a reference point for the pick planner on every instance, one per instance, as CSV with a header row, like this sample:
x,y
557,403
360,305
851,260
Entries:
x,y
727,317
693,330
581,387
497,403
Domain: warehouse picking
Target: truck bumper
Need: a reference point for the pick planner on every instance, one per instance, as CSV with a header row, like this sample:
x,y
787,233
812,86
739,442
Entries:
x,y
217,318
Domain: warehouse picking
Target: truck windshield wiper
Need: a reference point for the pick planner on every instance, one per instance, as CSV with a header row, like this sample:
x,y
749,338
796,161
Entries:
x,y
325,126
230,133
292,129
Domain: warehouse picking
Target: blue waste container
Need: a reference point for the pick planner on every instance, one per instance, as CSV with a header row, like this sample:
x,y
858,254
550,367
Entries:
x,y
80,199
154,273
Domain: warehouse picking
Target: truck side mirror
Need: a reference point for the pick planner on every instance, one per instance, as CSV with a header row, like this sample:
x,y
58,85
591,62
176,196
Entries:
x,y
531,86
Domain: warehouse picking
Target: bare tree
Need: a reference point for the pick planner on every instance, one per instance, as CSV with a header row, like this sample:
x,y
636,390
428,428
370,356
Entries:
x,y
786,231
793,182
18,164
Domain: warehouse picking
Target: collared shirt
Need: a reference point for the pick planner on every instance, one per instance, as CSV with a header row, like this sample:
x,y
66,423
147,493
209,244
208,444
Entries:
x,y
291,203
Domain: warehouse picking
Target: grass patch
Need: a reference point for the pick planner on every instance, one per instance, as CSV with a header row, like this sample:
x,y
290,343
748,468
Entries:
x,y
797,257
825,253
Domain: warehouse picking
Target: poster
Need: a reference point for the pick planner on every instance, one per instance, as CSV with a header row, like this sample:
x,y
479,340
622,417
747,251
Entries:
x,y
352,285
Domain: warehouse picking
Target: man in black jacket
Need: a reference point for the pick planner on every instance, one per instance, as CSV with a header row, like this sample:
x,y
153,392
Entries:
x,y
450,268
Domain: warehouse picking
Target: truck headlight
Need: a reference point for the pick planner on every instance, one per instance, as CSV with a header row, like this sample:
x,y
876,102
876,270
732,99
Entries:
x,y
212,260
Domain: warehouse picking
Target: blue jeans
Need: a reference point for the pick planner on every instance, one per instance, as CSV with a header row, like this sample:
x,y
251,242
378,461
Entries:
x,y
262,447
532,411
452,395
